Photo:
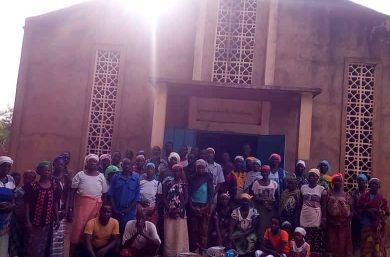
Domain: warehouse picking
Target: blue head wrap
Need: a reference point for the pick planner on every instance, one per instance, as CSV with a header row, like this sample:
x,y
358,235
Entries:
x,y
363,177
59,158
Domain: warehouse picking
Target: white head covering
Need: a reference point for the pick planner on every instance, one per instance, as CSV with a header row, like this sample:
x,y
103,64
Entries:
x,y
302,163
6,159
239,157
210,149
201,162
175,155
91,156
300,230
315,171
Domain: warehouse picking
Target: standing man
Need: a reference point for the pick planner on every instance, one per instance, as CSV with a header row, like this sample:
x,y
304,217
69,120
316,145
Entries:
x,y
124,194
215,170
277,173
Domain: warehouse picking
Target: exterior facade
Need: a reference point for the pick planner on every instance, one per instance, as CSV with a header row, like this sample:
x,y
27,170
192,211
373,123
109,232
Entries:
x,y
95,78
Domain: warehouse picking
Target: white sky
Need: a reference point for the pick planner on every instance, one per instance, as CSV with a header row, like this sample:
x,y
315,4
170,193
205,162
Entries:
x,y
13,13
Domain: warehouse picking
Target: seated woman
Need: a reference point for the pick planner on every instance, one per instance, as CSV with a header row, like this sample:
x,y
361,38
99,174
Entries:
x,y
140,237
275,241
298,246
242,226
102,235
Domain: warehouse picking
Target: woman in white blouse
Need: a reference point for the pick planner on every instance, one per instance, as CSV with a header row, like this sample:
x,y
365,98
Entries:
x,y
88,187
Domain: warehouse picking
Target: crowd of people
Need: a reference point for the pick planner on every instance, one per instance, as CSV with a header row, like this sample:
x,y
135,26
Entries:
x,y
178,202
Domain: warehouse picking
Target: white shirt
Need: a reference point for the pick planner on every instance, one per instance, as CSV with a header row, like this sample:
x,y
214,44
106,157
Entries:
x,y
10,183
216,170
140,241
149,189
247,223
251,176
265,192
93,186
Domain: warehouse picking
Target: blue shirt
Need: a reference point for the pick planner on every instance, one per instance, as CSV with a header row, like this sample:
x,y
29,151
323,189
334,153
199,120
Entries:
x,y
201,194
125,191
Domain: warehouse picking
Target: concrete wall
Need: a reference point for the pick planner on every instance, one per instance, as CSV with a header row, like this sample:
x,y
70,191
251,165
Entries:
x,y
55,77
314,42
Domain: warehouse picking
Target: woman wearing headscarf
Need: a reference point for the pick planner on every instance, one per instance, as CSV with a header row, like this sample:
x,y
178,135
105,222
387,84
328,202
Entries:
x,y
140,164
301,178
166,172
149,188
240,175
88,187
166,175
338,217
362,180
175,221
324,168
374,211
63,183
290,201
105,161
277,173
219,229
313,212
7,187
265,198
243,225
41,211
200,199
254,165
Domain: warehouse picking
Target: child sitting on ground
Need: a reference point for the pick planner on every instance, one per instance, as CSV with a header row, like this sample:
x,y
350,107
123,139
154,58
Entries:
x,y
275,242
298,246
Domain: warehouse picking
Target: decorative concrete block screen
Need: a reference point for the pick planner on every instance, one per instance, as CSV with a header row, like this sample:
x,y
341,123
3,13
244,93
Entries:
x,y
359,121
103,101
235,41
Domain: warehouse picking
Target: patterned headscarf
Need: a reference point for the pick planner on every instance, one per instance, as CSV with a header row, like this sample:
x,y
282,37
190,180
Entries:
x,y
105,156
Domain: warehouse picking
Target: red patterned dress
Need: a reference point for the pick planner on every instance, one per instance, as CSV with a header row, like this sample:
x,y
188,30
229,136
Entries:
x,y
42,214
